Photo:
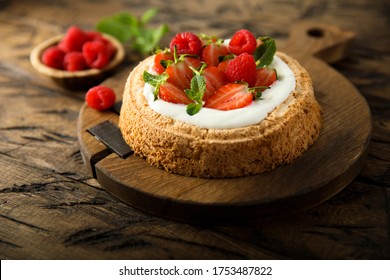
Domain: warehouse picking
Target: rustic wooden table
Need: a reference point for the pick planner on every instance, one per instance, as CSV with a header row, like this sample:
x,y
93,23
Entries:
x,y
50,206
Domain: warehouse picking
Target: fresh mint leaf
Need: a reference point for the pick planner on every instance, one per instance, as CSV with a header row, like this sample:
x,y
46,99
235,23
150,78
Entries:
x,y
190,93
114,28
195,93
197,88
128,28
193,108
149,39
159,33
165,63
155,81
148,15
125,19
264,53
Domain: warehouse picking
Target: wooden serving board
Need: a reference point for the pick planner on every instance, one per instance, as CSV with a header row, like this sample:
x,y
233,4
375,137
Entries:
x,y
324,170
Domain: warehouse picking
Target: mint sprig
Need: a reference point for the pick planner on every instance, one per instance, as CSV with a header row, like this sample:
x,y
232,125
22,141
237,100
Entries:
x,y
155,81
126,27
264,53
196,91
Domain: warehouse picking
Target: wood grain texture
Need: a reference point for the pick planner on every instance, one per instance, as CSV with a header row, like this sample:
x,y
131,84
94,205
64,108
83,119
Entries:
x,y
51,208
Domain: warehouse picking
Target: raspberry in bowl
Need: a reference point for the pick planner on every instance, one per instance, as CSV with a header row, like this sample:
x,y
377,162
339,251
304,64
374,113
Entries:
x,y
78,59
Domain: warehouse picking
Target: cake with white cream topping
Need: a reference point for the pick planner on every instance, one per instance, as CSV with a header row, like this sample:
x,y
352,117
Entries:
x,y
216,109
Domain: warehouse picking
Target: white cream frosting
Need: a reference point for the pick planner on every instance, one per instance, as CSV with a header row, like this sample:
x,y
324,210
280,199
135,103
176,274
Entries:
x,y
217,119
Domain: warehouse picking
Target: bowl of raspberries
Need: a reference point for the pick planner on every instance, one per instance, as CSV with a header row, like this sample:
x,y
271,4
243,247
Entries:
x,y
78,59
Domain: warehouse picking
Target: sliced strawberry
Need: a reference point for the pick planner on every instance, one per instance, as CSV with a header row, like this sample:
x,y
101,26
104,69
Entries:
x,y
229,97
222,66
265,77
171,93
214,80
179,72
157,66
212,52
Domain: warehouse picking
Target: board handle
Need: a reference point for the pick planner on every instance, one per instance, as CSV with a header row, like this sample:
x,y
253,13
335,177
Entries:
x,y
326,42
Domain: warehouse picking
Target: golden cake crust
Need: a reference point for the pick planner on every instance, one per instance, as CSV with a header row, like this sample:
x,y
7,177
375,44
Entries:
x,y
189,150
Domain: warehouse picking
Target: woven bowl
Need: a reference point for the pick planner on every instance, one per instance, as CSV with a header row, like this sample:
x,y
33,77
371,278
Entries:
x,y
77,79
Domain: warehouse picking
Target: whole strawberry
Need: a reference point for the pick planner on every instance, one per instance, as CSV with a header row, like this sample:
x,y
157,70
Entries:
x,y
242,69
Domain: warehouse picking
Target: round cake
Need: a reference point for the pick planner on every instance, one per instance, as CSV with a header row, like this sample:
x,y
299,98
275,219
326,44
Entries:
x,y
192,149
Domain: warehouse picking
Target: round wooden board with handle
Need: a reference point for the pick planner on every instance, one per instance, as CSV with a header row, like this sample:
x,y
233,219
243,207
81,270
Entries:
x,y
324,170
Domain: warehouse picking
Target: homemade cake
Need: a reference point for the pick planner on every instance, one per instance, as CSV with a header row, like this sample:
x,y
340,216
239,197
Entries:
x,y
278,126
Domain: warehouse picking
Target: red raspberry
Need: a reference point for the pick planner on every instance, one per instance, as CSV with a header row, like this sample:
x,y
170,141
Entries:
x,y
242,68
110,47
73,40
53,57
100,97
74,61
97,36
93,35
186,43
96,54
243,41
